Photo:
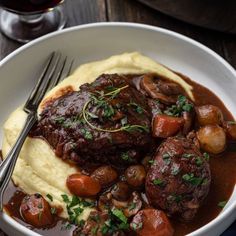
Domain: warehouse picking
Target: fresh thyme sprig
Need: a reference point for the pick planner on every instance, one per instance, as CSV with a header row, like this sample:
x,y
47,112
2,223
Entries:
x,y
100,103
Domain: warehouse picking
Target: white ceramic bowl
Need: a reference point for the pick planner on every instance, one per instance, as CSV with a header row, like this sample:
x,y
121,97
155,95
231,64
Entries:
x,y
96,41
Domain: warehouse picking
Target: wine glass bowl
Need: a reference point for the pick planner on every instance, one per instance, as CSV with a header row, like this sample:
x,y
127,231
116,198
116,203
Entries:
x,y
25,20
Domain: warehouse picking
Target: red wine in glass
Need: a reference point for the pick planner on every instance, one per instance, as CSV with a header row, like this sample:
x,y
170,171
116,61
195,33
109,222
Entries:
x,y
28,6
25,20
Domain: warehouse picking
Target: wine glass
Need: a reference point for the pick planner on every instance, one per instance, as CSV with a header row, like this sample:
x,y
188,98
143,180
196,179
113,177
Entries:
x,y
25,20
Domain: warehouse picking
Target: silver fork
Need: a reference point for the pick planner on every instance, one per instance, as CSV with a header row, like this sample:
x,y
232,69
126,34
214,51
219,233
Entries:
x,y
56,69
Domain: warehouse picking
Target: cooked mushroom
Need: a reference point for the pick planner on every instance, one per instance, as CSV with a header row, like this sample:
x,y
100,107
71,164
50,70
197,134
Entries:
x,y
153,91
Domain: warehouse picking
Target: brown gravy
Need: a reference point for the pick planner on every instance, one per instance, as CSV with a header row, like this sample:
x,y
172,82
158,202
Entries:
x,y
223,181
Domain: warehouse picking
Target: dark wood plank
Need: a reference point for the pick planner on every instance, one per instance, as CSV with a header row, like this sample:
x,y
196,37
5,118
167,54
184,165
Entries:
x,y
84,11
77,12
212,14
133,11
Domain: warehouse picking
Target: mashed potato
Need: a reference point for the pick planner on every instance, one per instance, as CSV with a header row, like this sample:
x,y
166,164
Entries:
x,y
38,169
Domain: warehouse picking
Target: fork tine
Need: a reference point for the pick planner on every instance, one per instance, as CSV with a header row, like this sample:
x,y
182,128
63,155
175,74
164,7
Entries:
x,y
41,78
46,82
58,74
64,71
55,70
69,69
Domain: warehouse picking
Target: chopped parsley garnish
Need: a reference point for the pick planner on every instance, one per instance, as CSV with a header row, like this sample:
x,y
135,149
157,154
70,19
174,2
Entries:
x,y
132,206
198,161
66,226
159,182
166,155
125,156
117,222
205,181
120,215
190,178
182,105
206,156
108,111
188,155
87,134
65,198
60,120
151,162
94,230
49,197
136,226
95,218
138,108
222,204
175,170
174,198
166,158
54,211
74,208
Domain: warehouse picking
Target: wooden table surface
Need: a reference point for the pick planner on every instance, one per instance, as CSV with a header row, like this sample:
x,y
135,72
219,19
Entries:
x,y
89,11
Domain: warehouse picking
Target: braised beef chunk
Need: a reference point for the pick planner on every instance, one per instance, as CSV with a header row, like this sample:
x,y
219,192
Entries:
x,y
106,121
179,178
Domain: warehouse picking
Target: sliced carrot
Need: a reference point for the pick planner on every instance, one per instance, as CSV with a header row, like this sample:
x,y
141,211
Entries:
x,y
165,126
83,185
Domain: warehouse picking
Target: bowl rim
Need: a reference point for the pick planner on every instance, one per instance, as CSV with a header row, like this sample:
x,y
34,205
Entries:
x,y
225,213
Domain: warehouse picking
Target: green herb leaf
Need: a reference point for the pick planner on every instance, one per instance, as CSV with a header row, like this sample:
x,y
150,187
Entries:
x,y
53,211
188,155
49,197
167,158
151,162
87,134
60,120
94,230
182,105
120,215
190,178
159,182
75,201
65,198
66,226
132,206
138,108
198,161
206,156
136,226
175,170
125,156
222,204
174,198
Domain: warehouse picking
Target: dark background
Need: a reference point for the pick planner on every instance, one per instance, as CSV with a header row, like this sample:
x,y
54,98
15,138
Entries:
x,y
89,11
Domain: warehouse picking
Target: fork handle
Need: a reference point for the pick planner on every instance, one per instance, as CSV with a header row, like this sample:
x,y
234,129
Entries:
x,y
8,164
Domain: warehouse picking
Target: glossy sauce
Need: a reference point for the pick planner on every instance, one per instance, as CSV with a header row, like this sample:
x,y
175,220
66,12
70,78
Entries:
x,y
222,185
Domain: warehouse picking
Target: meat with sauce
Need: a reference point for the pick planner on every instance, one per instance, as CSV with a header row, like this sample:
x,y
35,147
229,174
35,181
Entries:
x,y
107,121
179,178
